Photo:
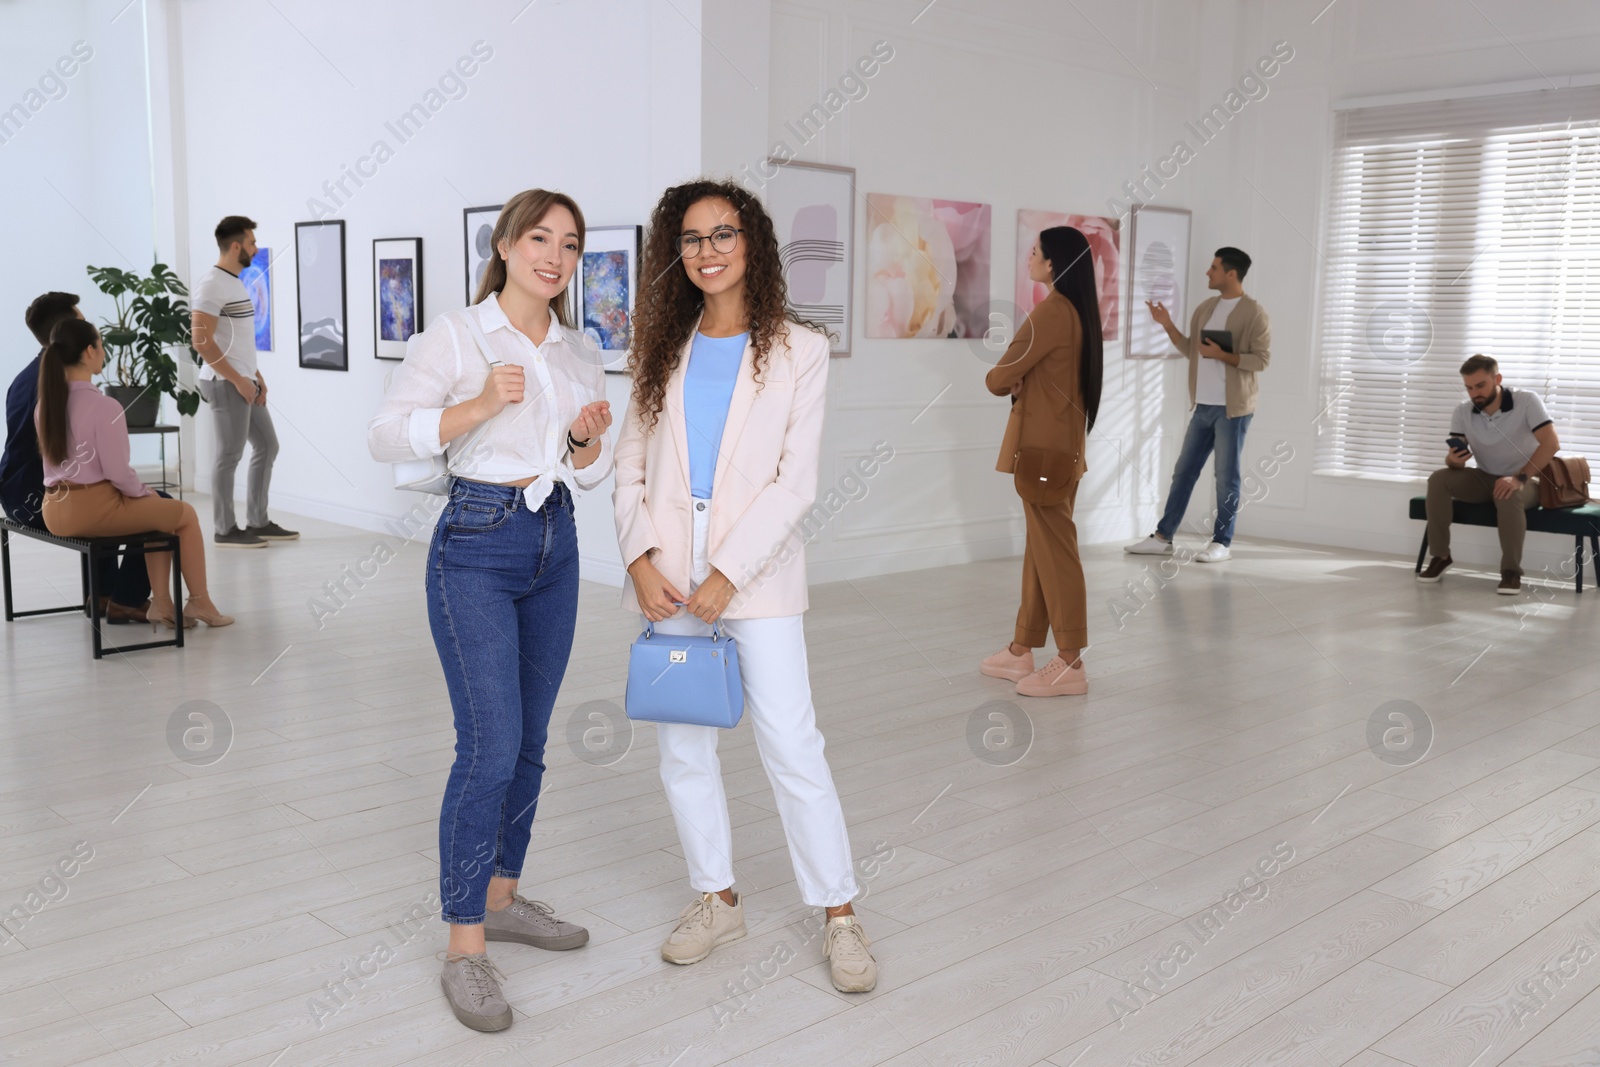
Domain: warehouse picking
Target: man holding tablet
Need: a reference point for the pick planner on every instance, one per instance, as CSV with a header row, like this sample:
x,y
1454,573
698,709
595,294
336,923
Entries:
x,y
1228,344
1512,438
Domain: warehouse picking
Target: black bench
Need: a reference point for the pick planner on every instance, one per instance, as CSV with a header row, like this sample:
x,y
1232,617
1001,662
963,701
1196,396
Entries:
x,y
1582,521
94,550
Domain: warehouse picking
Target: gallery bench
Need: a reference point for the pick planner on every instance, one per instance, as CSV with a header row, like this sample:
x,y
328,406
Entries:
x,y
93,550
1582,521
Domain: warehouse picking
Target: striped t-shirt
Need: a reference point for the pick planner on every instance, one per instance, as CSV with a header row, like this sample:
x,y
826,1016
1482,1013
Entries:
x,y
222,294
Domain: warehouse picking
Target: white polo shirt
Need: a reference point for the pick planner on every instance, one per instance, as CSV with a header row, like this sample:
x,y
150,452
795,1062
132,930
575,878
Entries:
x,y
1502,443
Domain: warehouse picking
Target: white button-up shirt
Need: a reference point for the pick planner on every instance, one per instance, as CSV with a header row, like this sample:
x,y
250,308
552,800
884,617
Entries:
x,y
444,367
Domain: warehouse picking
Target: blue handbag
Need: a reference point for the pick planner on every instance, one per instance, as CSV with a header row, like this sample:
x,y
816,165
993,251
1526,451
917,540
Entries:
x,y
685,679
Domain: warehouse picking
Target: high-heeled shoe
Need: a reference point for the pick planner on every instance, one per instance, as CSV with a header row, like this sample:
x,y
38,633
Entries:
x,y
212,618
158,616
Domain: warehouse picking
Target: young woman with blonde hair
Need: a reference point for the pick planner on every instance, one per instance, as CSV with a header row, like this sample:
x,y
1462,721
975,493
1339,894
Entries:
x,y
511,393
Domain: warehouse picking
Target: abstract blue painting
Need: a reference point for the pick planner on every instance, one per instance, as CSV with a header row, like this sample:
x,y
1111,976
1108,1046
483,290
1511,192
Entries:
x,y
397,300
396,294
257,279
605,299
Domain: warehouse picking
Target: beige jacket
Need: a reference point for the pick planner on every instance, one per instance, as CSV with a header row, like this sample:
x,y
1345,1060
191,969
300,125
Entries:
x,y
764,486
1252,342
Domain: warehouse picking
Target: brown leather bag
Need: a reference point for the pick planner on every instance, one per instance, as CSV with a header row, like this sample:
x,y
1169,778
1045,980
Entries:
x,y
1564,482
1044,475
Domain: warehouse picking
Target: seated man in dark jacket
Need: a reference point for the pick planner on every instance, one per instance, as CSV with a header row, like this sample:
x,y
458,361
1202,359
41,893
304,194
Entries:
x,y
22,473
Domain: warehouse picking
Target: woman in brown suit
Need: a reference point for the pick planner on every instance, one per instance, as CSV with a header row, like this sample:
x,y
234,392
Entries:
x,y
1052,370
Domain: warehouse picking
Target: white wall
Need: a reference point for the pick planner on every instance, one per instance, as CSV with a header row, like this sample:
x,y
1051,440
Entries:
x,y
1021,105
1361,48
1045,105
601,101
75,172
1028,103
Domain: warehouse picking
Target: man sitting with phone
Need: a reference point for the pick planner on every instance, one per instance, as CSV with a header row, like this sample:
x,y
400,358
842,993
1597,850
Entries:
x,y
1512,438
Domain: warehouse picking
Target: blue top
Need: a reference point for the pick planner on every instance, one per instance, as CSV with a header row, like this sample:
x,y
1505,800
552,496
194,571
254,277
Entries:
x,y
707,391
21,470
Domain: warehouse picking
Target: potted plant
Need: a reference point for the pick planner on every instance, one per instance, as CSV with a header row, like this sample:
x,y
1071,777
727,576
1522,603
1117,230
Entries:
x,y
152,317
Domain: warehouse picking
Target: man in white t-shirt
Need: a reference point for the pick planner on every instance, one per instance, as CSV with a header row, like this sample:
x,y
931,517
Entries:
x,y
224,333
1222,394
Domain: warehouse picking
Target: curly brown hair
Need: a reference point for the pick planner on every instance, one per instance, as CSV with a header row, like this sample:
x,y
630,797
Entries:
x,y
669,303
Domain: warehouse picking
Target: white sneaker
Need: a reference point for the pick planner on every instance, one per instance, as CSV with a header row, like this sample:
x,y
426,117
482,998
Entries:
x,y
1150,546
1214,553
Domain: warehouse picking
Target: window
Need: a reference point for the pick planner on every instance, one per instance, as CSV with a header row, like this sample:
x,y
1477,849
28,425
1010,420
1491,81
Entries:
x,y
1457,227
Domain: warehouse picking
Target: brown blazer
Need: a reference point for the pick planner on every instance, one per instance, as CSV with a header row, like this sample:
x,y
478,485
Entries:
x,y
1252,342
1045,357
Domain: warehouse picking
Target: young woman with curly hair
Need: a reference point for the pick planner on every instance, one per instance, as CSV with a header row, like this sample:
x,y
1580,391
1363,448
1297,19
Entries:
x,y
717,465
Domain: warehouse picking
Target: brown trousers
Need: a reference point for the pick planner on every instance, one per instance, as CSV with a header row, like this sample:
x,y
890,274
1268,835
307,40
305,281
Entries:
x,y
100,510
1471,484
1053,594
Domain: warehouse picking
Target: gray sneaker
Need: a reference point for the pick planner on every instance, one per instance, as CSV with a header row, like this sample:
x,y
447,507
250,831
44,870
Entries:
x,y
530,922
472,986
237,538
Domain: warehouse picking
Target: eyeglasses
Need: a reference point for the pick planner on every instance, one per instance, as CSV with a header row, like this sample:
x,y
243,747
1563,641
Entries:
x,y
722,239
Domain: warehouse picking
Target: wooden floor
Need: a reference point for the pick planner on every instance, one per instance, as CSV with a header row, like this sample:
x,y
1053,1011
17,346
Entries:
x,y
1218,858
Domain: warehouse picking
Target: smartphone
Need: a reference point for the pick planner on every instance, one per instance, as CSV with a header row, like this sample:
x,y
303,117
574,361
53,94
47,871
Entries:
x,y
1458,444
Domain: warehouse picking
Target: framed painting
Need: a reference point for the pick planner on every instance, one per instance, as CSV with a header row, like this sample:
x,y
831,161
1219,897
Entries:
x,y
257,279
1105,250
478,233
1158,247
319,284
927,267
608,281
813,209
396,294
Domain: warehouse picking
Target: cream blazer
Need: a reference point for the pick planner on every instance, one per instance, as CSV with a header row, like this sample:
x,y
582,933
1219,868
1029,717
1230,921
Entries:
x,y
764,486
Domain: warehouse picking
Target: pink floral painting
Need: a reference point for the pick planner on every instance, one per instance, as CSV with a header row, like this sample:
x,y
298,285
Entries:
x,y
927,267
1105,248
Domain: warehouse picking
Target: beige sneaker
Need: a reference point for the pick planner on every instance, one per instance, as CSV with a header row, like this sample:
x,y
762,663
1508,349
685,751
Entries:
x,y
853,969
702,926
1055,679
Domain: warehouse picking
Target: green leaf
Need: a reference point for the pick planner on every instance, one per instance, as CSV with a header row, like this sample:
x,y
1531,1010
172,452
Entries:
x,y
151,318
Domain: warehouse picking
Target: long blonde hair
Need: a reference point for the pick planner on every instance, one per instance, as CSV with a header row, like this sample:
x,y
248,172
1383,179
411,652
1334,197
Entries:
x,y
521,214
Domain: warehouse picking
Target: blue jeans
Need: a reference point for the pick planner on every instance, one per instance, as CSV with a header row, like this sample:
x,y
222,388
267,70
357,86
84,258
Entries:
x,y
502,586
1209,428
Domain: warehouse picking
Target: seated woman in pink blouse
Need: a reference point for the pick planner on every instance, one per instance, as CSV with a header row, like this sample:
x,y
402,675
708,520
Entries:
x,y
91,490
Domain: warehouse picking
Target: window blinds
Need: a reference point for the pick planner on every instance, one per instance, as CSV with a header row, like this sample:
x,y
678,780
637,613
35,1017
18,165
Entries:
x,y
1457,227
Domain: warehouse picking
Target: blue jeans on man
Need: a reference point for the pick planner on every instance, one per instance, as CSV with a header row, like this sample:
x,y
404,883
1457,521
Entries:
x,y
1210,430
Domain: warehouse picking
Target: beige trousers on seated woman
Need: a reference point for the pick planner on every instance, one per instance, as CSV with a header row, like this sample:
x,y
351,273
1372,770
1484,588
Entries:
x,y
100,510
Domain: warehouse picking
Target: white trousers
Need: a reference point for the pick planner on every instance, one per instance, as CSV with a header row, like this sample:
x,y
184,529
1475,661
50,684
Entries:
x,y
777,701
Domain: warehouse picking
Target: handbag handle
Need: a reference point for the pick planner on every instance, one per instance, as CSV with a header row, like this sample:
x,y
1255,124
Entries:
x,y
650,630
